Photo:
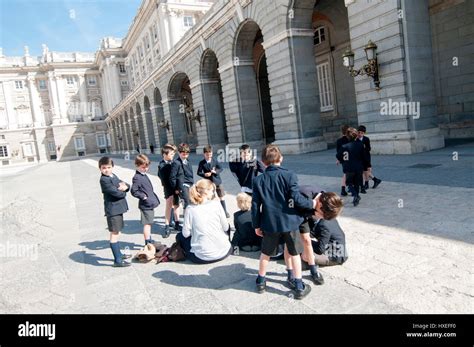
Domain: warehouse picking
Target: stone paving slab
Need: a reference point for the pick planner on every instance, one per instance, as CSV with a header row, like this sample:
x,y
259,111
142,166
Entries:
x,y
411,259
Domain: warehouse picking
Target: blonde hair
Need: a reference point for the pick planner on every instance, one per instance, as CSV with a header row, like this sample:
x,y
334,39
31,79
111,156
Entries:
x,y
198,192
244,201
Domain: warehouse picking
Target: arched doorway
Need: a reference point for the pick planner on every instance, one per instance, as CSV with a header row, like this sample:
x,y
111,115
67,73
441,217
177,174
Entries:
x,y
252,84
149,122
160,118
181,110
213,99
141,128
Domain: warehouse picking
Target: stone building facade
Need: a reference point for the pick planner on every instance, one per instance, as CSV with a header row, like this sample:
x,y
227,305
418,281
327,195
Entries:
x,y
228,72
270,71
53,107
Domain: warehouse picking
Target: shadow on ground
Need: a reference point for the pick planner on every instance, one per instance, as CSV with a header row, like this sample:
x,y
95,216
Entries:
x,y
218,278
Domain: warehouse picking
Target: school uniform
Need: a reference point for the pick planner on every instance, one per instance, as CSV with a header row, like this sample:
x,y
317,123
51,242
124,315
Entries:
x,y
181,178
207,166
164,172
276,200
366,142
352,157
244,232
245,172
115,204
142,189
341,142
330,247
310,192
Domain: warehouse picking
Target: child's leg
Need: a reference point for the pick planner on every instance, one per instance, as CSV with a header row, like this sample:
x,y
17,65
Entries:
x,y
147,233
169,205
289,265
308,255
114,246
343,180
262,266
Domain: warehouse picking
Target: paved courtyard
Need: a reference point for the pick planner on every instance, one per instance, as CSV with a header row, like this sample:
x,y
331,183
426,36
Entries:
x,y
410,245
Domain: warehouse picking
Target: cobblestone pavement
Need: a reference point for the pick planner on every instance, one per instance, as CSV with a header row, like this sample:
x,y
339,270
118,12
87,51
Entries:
x,y
410,245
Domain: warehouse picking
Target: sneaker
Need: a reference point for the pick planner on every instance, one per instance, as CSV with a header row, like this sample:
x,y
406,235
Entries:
x,y
261,287
178,228
317,278
376,182
356,200
343,192
121,264
300,294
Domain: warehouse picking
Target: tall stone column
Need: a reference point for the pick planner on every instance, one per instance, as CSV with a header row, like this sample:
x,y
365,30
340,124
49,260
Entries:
x,y
38,116
167,112
198,104
401,116
231,103
11,114
293,89
84,107
61,100
156,127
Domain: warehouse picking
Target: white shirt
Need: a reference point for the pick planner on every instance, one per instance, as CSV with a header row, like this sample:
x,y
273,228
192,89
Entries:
x,y
206,224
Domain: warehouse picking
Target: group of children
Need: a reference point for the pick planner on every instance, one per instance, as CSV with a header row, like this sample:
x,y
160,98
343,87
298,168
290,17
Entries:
x,y
274,210
353,152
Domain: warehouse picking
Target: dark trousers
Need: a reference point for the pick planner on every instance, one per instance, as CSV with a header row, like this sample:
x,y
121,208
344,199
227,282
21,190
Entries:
x,y
186,246
354,179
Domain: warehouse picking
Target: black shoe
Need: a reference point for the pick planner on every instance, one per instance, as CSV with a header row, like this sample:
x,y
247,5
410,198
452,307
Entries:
x,y
261,287
343,192
363,191
178,228
300,294
366,185
356,200
122,264
291,283
317,278
376,182
167,232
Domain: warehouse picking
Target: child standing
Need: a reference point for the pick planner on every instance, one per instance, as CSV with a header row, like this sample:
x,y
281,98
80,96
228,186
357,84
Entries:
x,y
142,189
339,143
210,169
115,205
181,177
367,164
352,157
172,199
246,169
276,198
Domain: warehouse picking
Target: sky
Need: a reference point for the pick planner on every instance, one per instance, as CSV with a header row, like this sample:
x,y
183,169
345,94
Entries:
x,y
63,25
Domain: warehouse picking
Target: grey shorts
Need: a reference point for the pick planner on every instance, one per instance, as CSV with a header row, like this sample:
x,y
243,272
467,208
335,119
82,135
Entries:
x,y
271,241
115,223
147,216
